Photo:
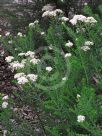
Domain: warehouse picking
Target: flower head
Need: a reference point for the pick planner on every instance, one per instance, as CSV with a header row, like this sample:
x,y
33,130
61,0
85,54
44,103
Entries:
x,y
5,97
64,19
22,80
32,77
78,96
49,69
34,61
4,105
87,43
18,75
9,59
64,78
16,65
19,34
80,118
85,48
69,44
68,55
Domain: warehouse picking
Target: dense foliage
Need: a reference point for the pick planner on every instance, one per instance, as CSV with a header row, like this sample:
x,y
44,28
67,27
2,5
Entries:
x,y
58,72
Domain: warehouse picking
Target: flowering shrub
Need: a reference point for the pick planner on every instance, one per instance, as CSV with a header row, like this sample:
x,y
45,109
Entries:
x,y
59,80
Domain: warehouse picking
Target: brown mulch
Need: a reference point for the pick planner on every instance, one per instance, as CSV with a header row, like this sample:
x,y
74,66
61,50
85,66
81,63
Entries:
x,y
6,75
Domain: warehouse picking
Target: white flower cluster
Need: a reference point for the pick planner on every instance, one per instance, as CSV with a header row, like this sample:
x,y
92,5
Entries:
x,y
22,78
32,56
49,69
18,75
19,34
28,53
90,20
5,103
9,59
80,118
69,44
64,19
32,77
53,13
68,55
85,48
86,45
16,65
34,61
34,23
81,18
77,18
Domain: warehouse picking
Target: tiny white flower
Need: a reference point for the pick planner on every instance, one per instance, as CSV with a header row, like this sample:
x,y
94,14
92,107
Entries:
x,y
10,42
9,59
80,118
85,3
5,97
64,78
4,105
50,47
15,49
68,55
49,69
78,96
42,33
